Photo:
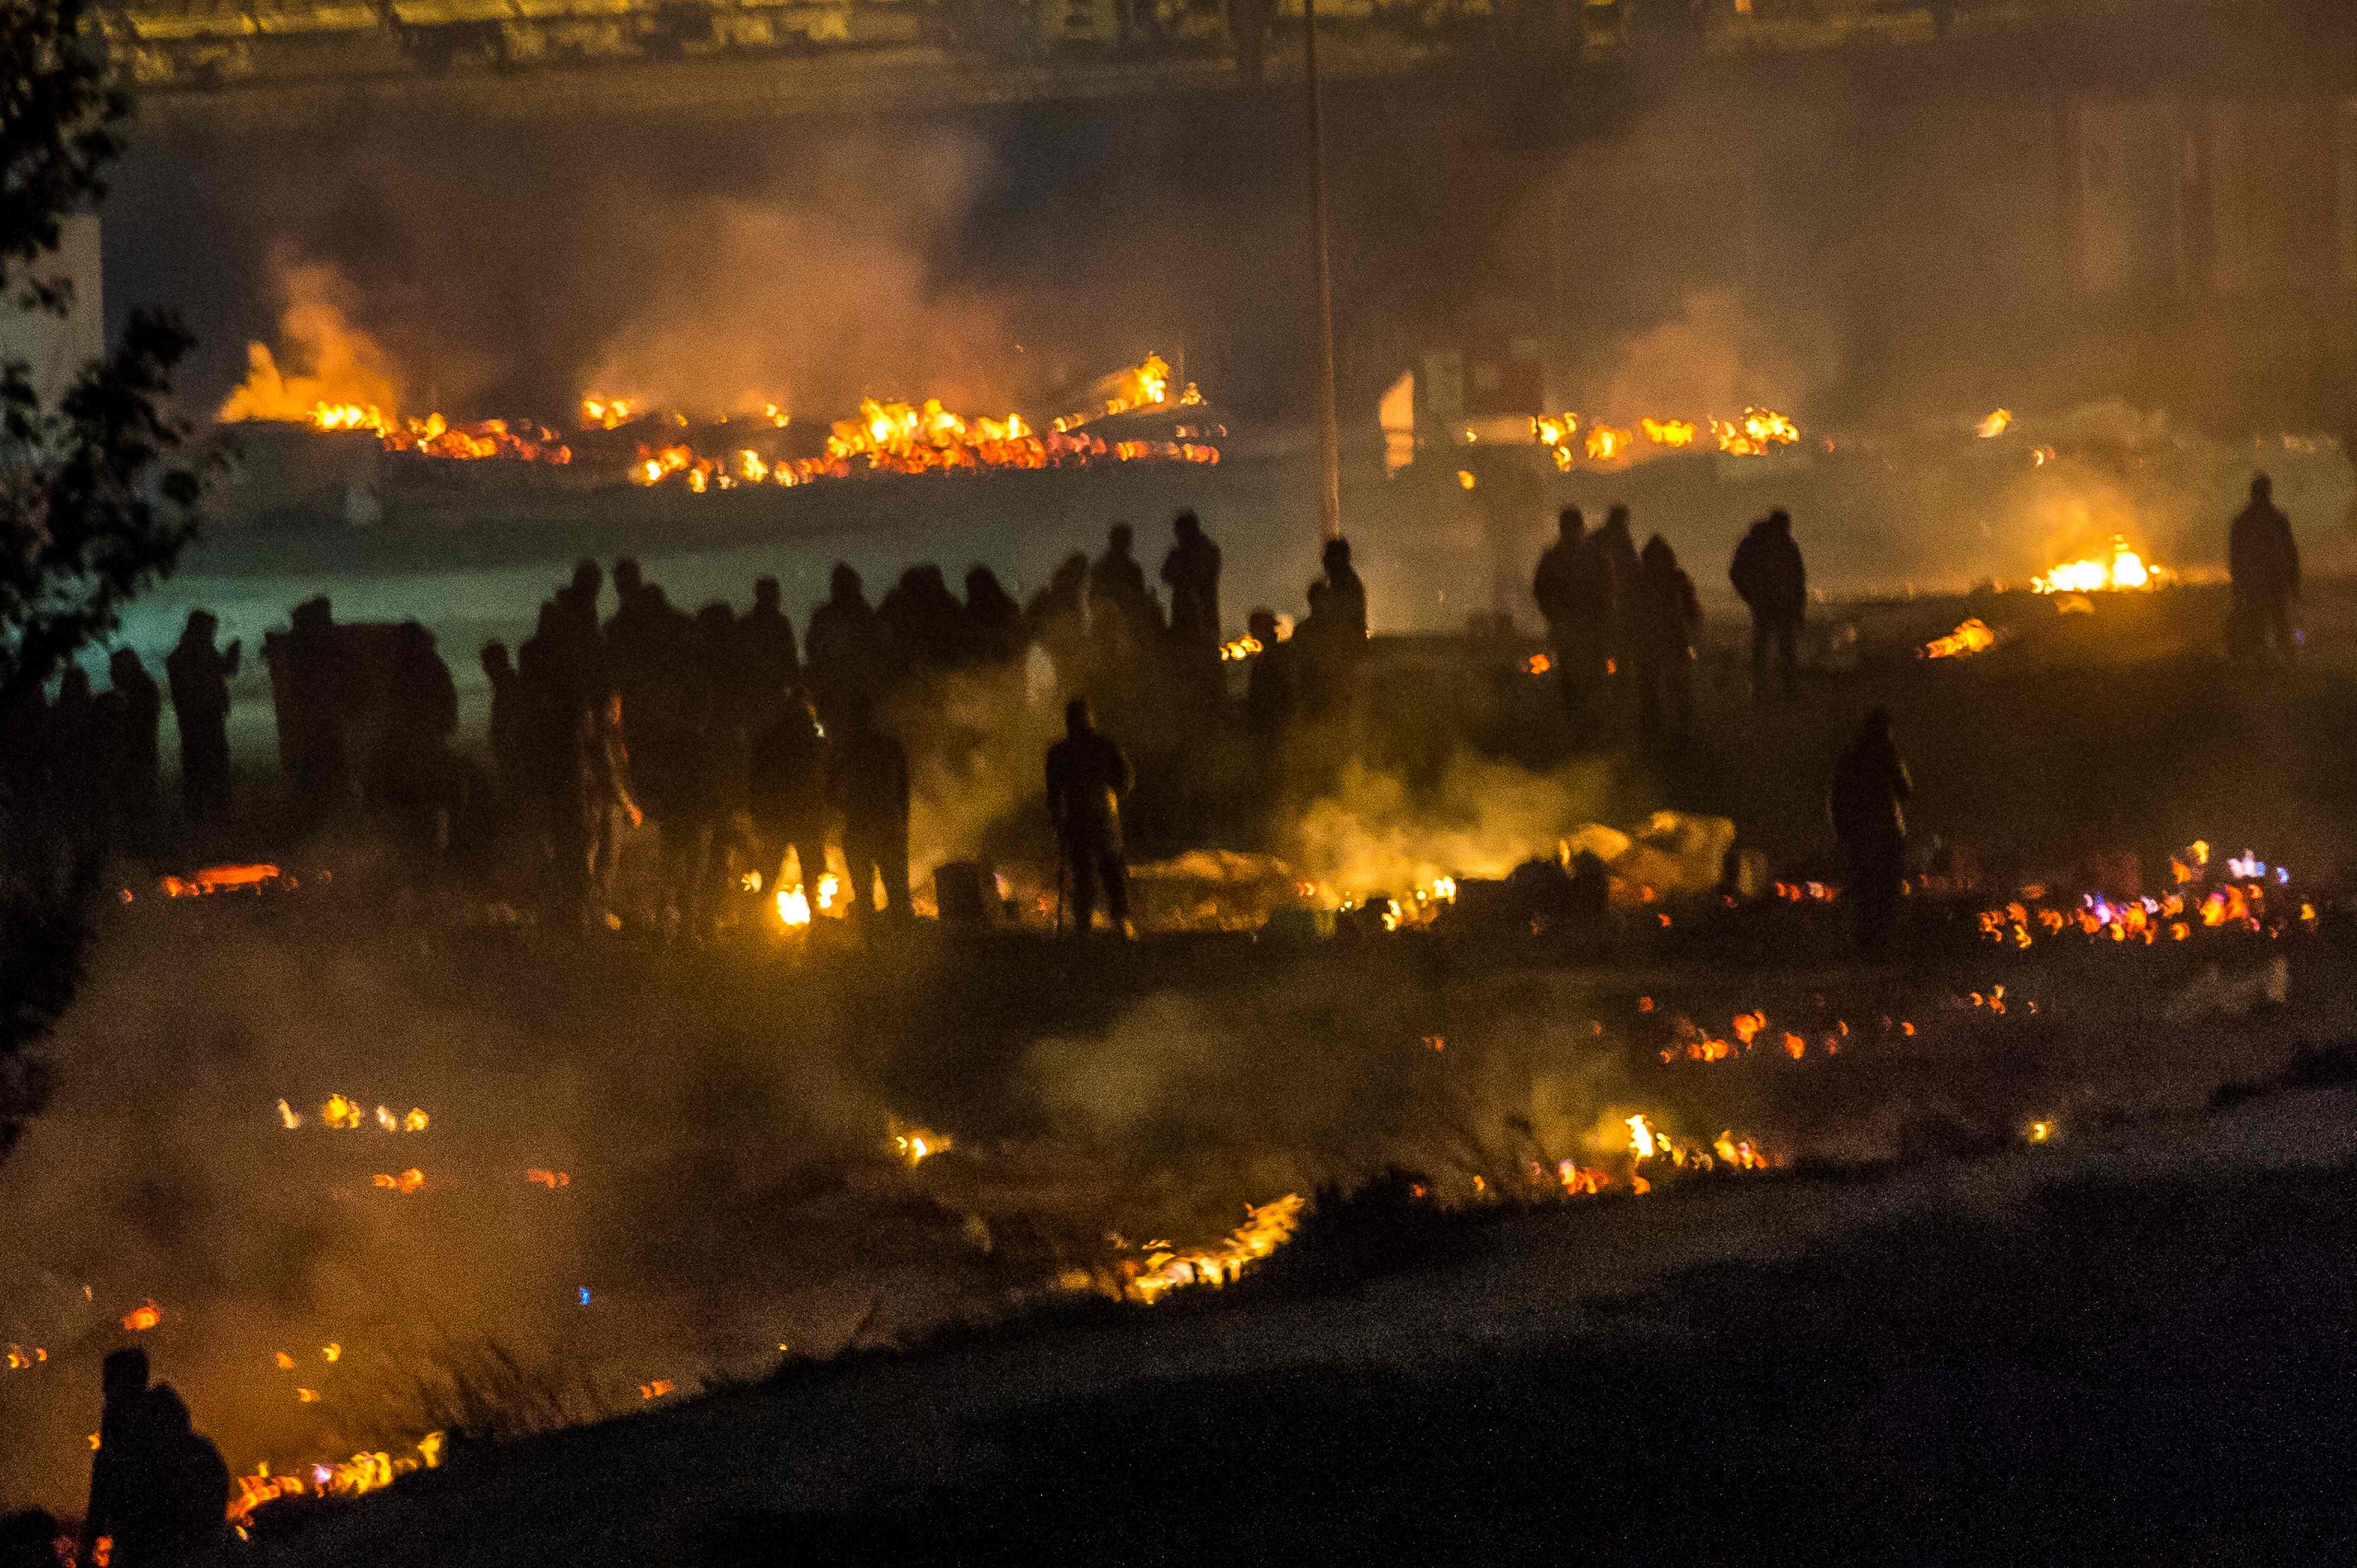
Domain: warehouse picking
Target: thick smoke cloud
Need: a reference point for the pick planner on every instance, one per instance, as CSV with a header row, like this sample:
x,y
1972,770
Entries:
x,y
813,291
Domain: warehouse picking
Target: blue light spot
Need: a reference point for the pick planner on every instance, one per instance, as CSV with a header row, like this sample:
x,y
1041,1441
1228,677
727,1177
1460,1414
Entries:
x,y
584,1296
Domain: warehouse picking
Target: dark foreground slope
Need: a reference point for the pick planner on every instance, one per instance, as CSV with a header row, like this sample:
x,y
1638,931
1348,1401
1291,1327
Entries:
x,y
2133,1349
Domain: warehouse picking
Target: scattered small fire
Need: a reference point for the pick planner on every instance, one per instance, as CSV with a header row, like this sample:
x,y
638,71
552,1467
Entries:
x,y
609,413
362,1473
2124,568
1755,433
256,878
657,1389
549,1180
1972,637
407,1182
1241,649
1566,436
1164,1269
141,1318
1995,425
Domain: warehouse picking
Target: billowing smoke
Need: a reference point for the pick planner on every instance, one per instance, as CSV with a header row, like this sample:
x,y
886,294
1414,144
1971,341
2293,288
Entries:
x,y
326,358
1719,352
811,291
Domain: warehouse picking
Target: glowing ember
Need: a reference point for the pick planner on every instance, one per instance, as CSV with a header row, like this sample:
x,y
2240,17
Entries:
x,y
549,1180
2038,1131
656,1390
917,1145
1538,664
1972,637
2125,568
139,1319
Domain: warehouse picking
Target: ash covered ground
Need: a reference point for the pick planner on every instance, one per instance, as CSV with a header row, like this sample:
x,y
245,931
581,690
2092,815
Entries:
x,y
721,1133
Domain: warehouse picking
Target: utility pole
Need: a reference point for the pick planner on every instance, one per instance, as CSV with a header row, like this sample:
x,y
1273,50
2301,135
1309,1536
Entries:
x,y
1329,449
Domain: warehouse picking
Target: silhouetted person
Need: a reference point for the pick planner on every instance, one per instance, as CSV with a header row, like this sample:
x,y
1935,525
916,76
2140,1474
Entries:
x,y
2265,561
1346,596
78,760
871,787
628,581
846,647
132,714
1666,616
601,800
1334,636
704,768
1087,776
315,682
124,1496
765,660
31,1538
1575,590
1619,548
994,619
191,1487
1123,616
509,722
553,686
786,789
923,620
1271,678
1770,578
1057,619
577,601
1868,806
199,674
1191,571
412,774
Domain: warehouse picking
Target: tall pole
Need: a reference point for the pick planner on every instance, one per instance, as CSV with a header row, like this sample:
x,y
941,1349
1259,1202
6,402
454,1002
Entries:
x,y
1329,445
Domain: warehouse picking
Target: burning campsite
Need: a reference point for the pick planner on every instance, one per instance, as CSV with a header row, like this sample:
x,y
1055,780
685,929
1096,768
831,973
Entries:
x,y
1463,816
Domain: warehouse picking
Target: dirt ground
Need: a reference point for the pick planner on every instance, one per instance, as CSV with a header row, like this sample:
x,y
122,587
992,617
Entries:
x,y
725,1119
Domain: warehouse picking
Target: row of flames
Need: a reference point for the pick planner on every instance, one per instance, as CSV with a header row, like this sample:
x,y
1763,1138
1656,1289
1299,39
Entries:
x,y
1752,434
924,436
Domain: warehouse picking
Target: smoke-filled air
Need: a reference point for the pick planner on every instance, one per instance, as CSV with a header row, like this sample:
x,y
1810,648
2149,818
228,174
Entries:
x,y
804,793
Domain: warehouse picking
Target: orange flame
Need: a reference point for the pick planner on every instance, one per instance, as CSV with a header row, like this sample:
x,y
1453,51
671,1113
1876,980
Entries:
x,y
1972,637
139,1319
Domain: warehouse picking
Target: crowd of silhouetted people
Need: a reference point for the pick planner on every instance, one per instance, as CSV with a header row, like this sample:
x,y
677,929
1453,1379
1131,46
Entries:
x,y
754,751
